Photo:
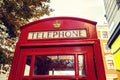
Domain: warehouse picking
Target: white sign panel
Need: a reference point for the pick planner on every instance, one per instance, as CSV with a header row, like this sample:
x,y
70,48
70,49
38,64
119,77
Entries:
x,y
58,34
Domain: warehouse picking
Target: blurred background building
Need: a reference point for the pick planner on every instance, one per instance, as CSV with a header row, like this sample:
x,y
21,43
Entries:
x,y
112,8
103,35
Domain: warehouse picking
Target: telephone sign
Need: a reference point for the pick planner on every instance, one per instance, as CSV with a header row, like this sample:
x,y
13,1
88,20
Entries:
x,y
58,34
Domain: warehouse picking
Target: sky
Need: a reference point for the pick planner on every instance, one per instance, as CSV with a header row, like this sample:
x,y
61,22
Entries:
x,y
87,9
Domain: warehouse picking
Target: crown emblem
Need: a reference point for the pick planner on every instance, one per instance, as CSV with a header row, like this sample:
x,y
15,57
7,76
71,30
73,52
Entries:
x,y
56,24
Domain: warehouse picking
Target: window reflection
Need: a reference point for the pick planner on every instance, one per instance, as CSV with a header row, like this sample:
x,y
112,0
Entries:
x,y
53,79
27,65
81,65
54,65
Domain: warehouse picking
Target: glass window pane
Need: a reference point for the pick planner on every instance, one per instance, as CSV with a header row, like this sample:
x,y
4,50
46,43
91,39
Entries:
x,y
25,79
81,65
54,65
27,65
53,79
105,34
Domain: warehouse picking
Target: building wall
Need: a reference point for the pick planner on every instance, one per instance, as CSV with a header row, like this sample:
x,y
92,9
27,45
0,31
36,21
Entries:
x,y
112,14
103,35
116,51
112,8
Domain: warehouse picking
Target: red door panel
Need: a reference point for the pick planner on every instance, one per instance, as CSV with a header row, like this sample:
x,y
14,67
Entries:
x,y
57,63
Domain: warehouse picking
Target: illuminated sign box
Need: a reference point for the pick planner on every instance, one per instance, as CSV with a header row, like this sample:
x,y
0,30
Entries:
x,y
82,33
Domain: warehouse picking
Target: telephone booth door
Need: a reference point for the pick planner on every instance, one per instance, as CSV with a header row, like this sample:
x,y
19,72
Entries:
x,y
57,63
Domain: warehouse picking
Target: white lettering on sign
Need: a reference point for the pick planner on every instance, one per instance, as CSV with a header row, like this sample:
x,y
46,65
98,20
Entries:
x,y
58,34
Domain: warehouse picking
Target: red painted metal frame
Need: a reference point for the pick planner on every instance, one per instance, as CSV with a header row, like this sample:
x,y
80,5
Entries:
x,y
67,23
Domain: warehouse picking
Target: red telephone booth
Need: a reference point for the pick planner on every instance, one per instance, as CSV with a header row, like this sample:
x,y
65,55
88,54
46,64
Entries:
x,y
60,48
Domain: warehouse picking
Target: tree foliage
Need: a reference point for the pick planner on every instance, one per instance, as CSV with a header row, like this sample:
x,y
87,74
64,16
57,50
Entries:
x,y
15,13
4,59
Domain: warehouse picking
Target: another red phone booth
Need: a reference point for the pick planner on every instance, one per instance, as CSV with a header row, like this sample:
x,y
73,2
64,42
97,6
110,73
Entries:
x,y
60,48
